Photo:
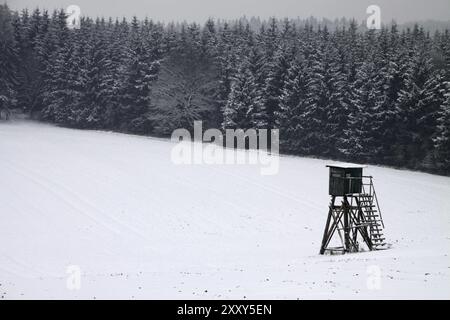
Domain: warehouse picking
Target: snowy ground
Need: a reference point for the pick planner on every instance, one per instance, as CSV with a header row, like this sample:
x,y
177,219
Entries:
x,y
139,226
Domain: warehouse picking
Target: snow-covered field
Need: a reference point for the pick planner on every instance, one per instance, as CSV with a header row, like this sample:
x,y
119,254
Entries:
x,y
138,226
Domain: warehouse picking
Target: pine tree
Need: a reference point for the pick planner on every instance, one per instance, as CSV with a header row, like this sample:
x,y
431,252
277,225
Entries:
x,y
291,116
323,104
53,53
412,104
390,60
270,38
427,119
245,108
277,72
209,39
116,57
96,79
141,72
63,87
442,137
365,118
227,66
8,59
26,30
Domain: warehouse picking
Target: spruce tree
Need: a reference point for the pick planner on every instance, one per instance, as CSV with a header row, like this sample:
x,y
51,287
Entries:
x,y
244,108
97,79
442,136
141,71
323,104
366,115
291,116
277,72
412,105
8,59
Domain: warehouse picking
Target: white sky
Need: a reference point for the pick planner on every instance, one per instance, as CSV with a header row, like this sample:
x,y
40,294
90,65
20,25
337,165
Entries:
x,y
200,10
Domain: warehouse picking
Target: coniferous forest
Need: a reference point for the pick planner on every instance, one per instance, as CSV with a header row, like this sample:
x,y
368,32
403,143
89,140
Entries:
x,y
343,93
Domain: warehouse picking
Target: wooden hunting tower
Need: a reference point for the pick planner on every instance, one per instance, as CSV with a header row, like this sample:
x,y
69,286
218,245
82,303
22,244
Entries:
x,y
353,211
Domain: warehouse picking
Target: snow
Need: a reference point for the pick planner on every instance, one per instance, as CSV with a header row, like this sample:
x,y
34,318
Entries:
x,y
138,226
346,165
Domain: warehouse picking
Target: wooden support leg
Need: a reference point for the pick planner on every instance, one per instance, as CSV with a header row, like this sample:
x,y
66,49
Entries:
x,y
363,231
326,232
346,226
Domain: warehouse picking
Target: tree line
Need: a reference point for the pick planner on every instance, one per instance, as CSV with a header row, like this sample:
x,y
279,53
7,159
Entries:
x,y
346,93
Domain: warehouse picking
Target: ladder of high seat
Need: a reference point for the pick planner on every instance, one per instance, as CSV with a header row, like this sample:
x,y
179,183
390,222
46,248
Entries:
x,y
372,215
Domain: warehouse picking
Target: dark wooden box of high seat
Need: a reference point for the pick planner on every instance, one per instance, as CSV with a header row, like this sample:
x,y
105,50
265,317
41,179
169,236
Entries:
x,y
345,179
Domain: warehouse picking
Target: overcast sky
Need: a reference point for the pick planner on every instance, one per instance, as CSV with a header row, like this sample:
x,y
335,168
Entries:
x,y
200,10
